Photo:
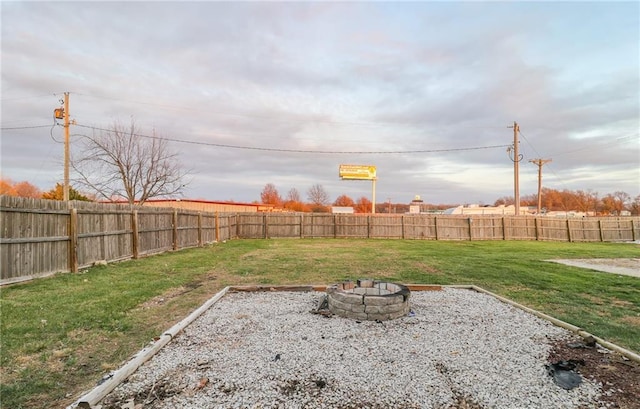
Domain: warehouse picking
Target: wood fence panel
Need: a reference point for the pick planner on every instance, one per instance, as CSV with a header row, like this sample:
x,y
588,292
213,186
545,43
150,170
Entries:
x,y
616,229
103,236
486,228
283,225
585,230
453,228
208,228
318,225
386,226
155,231
550,229
29,229
519,228
421,227
351,226
251,225
187,229
226,226
233,222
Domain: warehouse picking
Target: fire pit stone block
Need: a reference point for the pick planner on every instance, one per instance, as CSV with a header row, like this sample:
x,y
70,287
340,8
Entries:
x,y
369,300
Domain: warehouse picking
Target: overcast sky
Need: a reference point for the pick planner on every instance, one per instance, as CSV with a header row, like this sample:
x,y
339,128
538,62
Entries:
x,y
430,87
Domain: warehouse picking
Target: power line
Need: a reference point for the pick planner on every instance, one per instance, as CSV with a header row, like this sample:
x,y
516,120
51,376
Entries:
x,y
219,145
26,97
24,127
528,143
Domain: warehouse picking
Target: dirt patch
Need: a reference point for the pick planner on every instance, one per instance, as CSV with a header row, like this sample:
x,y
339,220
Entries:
x,y
429,269
175,292
631,320
618,376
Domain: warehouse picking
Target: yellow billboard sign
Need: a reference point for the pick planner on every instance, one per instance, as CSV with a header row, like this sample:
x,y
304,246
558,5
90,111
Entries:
x,y
357,172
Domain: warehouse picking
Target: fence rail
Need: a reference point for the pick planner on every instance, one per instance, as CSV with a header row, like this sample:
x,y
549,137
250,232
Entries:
x,y
40,237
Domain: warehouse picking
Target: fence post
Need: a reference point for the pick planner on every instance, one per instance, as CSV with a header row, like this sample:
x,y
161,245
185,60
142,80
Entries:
x,y
537,227
73,240
103,242
504,228
301,225
217,222
633,230
569,229
600,228
435,225
134,239
470,221
175,229
264,226
402,224
199,229
368,226
335,227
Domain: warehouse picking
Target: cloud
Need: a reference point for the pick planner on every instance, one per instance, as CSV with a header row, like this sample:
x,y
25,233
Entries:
x,y
339,77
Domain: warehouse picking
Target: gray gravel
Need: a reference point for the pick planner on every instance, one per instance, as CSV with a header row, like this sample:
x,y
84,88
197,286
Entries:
x,y
266,350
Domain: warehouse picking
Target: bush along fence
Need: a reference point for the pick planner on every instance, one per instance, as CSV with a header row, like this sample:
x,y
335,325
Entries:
x,y
40,237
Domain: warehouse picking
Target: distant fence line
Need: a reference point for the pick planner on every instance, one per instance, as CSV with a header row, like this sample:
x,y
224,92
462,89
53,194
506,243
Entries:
x,y
40,237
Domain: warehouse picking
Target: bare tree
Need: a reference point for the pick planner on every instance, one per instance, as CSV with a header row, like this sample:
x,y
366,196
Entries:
x,y
318,196
122,163
635,206
293,195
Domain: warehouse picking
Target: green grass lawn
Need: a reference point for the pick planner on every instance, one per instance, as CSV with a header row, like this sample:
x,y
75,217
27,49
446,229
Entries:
x,y
60,335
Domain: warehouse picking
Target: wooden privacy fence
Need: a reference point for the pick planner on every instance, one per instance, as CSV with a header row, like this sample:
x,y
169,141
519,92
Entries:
x,y
42,236
435,227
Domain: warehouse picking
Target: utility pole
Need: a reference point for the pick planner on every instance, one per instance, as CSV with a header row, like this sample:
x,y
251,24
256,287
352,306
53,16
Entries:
x,y
539,163
65,192
516,167
373,195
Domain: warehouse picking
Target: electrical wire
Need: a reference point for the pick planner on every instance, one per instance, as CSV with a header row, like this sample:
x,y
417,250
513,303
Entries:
x,y
27,97
13,128
562,182
219,145
53,126
528,143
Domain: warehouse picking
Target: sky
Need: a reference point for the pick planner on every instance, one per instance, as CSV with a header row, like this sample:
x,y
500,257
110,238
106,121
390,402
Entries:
x,y
251,93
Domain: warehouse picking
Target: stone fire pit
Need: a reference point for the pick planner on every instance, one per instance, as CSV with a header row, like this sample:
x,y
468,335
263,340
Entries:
x,y
369,300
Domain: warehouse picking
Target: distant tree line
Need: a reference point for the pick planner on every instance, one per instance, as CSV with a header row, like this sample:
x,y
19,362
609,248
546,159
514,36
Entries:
x,y
580,200
26,189
318,200
552,200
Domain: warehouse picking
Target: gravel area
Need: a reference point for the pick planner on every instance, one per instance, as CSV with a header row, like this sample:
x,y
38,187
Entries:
x,y
458,349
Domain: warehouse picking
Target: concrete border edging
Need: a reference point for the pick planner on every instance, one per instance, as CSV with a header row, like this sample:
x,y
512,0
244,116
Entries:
x,y
90,399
